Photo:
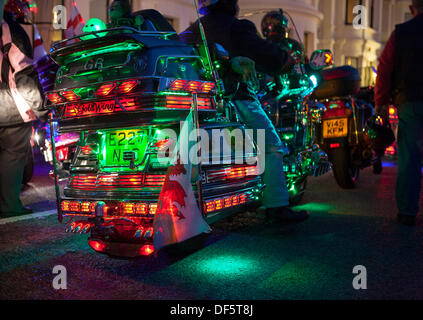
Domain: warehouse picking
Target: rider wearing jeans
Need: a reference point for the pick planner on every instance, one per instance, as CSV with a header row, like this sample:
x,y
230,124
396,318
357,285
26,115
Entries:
x,y
400,80
248,51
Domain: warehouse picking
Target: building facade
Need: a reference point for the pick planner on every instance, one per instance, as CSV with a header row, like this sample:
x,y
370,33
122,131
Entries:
x,y
320,24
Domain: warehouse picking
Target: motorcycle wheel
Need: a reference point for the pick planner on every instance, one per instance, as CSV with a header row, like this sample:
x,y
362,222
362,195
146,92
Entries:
x,y
346,174
29,169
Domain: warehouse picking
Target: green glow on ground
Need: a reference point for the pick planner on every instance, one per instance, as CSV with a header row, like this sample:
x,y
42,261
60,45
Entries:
x,y
228,265
315,206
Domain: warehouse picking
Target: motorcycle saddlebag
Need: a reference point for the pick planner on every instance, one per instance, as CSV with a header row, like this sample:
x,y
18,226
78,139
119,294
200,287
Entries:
x,y
338,82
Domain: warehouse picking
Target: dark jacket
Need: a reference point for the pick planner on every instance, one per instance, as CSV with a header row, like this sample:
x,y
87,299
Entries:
x,y
239,38
408,70
21,97
400,71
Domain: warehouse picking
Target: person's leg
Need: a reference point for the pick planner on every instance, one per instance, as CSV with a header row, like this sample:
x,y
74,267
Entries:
x,y
252,114
14,148
410,133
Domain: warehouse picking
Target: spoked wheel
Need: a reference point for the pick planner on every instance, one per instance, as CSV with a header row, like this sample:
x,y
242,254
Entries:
x,y
346,174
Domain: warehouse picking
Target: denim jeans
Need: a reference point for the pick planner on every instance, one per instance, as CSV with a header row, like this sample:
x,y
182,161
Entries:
x,y
253,116
410,142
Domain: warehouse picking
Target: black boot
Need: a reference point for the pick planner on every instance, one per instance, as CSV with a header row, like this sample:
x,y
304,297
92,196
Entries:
x,y
286,214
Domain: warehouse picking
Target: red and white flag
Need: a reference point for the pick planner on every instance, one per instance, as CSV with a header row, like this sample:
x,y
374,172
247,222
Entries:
x,y
178,217
75,22
39,50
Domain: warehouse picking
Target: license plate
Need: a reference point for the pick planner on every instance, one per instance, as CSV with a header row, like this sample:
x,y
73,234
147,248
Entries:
x,y
335,128
124,145
75,110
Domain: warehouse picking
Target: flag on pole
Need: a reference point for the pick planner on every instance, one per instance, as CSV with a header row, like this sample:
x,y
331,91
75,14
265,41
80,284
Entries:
x,y
178,217
39,50
75,22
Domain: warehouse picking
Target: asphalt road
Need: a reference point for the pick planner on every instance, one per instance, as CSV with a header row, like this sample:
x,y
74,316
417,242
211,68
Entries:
x,y
245,258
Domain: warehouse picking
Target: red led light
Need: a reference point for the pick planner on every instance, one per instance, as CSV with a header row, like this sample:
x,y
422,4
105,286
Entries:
x,y
335,145
207,87
55,98
105,89
193,86
97,245
141,208
154,180
178,85
70,96
146,250
65,205
128,86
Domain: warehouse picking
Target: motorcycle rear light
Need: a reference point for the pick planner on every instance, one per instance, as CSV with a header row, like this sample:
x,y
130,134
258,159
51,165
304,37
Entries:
x,y
97,245
193,86
141,208
335,145
128,209
146,250
232,173
70,96
152,208
154,180
178,85
207,87
65,205
227,202
55,98
178,102
128,86
105,89
75,206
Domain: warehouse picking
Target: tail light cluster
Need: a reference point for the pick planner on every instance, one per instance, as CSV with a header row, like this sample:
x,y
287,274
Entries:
x,y
211,206
337,109
105,90
113,210
106,181
101,246
393,114
192,86
231,173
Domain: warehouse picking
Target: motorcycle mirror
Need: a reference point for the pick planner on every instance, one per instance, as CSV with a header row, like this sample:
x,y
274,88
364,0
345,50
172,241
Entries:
x,y
320,59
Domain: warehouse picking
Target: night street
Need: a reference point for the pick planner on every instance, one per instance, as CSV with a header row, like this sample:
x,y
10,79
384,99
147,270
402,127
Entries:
x,y
242,259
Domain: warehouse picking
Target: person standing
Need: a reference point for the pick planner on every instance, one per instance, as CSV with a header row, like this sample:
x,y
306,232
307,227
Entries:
x,y
21,102
400,81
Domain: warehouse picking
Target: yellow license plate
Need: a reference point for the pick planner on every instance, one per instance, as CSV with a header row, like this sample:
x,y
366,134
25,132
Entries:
x,y
335,128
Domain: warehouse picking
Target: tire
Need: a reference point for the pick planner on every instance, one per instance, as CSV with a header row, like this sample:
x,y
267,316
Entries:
x,y
346,175
29,169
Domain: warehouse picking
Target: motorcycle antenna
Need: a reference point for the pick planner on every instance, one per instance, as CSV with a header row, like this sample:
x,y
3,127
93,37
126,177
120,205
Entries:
x,y
213,72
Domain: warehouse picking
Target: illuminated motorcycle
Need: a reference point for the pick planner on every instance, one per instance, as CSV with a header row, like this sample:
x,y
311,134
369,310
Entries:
x,y
342,134
285,100
122,90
